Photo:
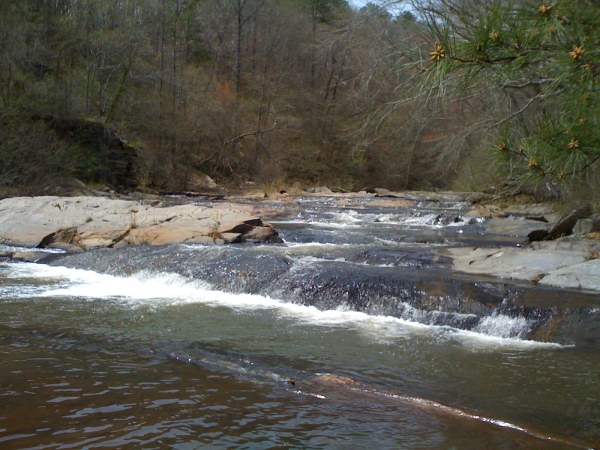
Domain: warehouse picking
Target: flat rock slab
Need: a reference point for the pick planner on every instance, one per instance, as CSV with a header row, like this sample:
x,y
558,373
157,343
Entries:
x,y
561,264
585,275
93,222
512,226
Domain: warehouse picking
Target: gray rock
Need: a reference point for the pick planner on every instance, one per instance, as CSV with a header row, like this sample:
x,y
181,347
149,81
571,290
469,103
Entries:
x,y
534,209
557,263
92,222
200,182
320,190
595,224
583,226
585,275
564,227
511,226
30,256
66,187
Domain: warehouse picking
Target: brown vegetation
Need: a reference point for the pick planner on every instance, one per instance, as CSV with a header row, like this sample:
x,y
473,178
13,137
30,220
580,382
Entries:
x,y
262,90
270,91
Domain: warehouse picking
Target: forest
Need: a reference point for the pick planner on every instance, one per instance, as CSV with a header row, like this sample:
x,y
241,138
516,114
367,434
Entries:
x,y
425,94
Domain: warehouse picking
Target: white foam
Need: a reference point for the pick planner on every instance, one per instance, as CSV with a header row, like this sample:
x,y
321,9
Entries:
x,y
353,220
310,245
335,225
16,248
172,289
477,341
503,326
348,217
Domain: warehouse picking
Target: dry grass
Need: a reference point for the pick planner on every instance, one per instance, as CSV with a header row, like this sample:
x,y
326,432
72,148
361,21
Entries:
x,y
593,253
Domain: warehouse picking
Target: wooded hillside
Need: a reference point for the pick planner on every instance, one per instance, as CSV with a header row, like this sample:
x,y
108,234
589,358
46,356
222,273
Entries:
x,y
270,91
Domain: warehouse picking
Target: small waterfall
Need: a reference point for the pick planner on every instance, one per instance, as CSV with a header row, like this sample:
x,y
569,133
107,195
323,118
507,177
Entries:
x,y
503,326
430,295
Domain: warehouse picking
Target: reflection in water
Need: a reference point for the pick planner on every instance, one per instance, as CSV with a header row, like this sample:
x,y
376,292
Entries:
x,y
81,396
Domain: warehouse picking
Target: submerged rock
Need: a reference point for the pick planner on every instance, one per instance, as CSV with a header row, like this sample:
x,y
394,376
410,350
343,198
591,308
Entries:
x,y
93,222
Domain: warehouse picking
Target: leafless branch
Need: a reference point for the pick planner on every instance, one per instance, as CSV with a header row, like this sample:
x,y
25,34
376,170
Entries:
x,y
516,113
249,133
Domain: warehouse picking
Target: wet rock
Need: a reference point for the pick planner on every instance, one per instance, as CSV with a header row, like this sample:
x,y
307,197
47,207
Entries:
x,y
564,227
67,248
392,202
537,218
486,211
445,219
30,256
92,222
537,235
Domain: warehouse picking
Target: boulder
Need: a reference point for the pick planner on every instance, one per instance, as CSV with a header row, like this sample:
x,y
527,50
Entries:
x,y
595,224
583,226
200,182
92,222
320,190
379,192
564,227
447,219
65,186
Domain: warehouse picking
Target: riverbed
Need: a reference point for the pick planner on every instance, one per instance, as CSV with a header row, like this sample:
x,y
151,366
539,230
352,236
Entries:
x,y
353,333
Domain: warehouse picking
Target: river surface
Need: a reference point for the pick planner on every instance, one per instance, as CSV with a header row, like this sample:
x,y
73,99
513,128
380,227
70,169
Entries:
x,y
351,334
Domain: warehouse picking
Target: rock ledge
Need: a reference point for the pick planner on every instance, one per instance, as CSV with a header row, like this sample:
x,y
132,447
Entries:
x,y
93,222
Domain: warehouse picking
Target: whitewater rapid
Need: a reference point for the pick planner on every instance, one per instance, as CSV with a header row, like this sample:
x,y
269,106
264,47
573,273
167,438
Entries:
x,y
159,289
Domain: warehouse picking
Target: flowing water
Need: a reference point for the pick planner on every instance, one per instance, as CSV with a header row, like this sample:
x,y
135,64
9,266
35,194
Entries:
x,y
351,334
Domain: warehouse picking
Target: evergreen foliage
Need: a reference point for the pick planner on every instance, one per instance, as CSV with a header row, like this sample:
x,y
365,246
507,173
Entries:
x,y
545,58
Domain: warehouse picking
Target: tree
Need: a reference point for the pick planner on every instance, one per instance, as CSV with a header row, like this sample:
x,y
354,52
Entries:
x,y
544,58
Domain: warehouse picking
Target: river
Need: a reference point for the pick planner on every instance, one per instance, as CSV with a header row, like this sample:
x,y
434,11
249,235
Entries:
x,y
353,333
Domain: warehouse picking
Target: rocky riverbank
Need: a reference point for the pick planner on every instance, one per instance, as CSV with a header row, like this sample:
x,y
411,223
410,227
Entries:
x,y
571,261
84,223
